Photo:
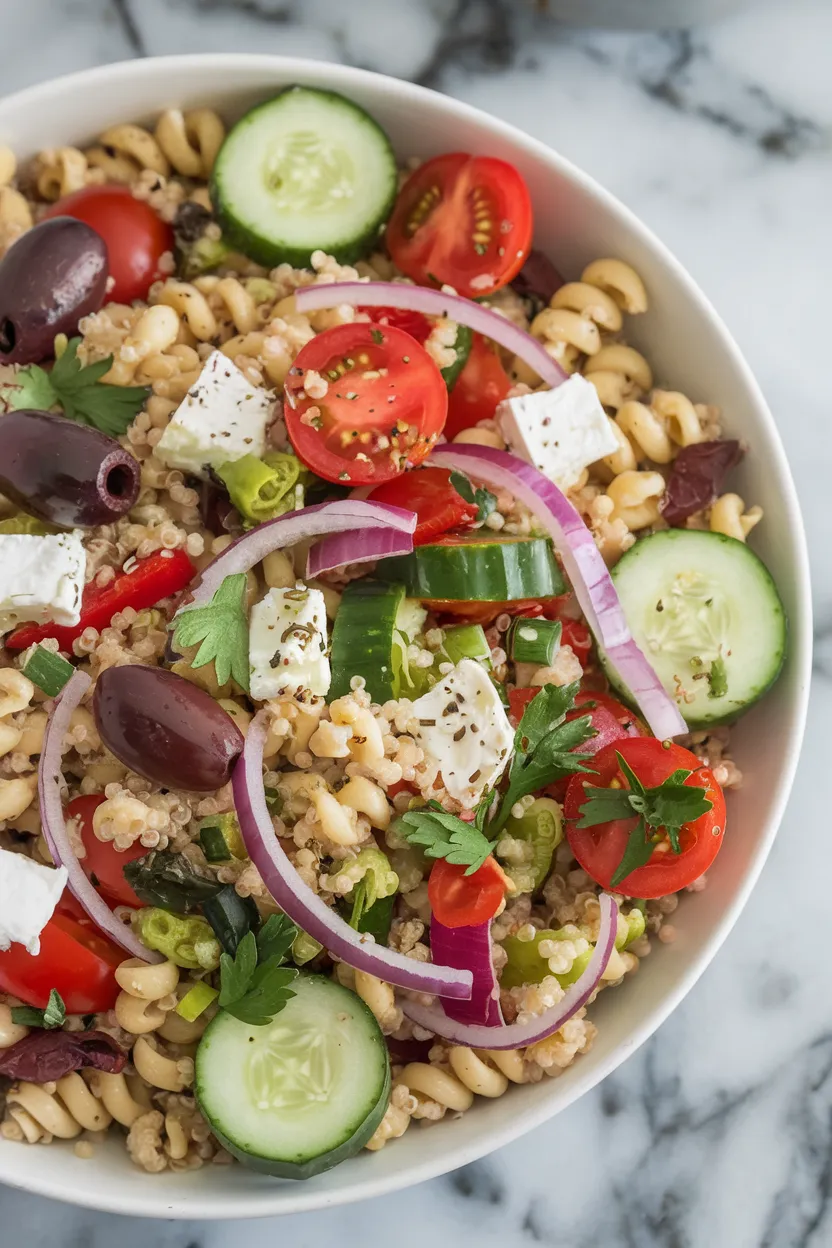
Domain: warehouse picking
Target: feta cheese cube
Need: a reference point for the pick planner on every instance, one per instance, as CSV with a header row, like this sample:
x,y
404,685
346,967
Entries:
x,y
41,578
287,643
222,417
560,431
464,732
29,894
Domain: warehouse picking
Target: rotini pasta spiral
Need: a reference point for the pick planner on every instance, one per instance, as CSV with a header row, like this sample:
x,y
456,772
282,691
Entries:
x,y
38,1112
728,516
190,141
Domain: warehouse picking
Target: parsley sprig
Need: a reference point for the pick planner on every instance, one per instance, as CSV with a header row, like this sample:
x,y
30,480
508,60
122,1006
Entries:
x,y
222,628
52,1016
662,810
255,984
543,746
447,836
485,501
79,390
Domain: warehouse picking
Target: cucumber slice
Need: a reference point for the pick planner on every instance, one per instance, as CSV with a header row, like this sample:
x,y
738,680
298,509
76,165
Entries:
x,y
301,1094
478,568
306,170
707,614
362,639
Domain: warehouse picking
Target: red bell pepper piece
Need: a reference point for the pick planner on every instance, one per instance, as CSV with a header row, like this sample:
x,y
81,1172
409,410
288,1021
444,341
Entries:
x,y
154,578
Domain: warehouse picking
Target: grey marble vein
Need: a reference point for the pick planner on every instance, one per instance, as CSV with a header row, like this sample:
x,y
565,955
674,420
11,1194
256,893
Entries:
x,y
718,1134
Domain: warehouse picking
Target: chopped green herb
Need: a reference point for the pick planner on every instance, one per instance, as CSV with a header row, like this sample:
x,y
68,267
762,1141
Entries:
x,y
222,627
718,679
486,501
53,1014
377,336
254,990
79,390
662,811
445,836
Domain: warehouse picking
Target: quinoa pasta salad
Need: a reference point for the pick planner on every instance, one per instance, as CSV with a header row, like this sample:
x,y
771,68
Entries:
x,y
372,627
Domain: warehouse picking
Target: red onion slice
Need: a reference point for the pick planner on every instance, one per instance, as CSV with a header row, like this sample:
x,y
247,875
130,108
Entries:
x,y
517,1035
308,910
585,568
345,518
469,948
436,303
342,548
54,824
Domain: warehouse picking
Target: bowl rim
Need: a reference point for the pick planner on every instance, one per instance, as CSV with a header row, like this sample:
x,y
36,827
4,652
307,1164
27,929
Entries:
x,y
297,1198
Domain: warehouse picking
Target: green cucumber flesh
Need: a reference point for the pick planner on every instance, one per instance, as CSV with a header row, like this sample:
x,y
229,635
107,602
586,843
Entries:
x,y
707,614
479,568
362,639
304,1092
307,170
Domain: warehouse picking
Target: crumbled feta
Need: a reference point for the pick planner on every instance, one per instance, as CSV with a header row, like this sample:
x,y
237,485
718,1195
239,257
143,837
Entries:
x,y
41,578
287,643
29,894
464,732
560,431
222,417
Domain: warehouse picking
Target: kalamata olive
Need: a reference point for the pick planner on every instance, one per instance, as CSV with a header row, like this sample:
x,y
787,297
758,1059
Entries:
x,y
538,279
165,728
63,472
52,276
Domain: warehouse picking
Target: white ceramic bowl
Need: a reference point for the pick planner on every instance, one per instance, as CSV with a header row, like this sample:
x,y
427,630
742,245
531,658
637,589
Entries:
x,y
689,348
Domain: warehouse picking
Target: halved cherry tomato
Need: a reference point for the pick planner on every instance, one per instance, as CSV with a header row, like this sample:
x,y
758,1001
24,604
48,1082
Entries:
x,y
383,410
103,863
463,220
414,323
482,384
135,235
628,721
460,900
439,506
599,850
74,958
479,612
518,700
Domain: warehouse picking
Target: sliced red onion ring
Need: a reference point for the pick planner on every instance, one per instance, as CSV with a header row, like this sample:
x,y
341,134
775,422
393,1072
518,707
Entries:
x,y
518,1035
345,518
308,910
585,567
342,548
469,948
54,824
436,303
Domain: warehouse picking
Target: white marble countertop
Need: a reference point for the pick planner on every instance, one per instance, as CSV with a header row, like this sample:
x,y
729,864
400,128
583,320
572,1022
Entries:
x,y
718,1133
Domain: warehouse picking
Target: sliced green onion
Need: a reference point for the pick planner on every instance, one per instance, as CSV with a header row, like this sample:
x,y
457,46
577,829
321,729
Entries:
x,y
261,489
48,671
220,838
305,948
466,641
535,641
196,1001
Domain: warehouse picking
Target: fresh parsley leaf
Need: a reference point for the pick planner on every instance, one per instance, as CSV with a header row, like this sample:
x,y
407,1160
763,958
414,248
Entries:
x,y
544,746
638,852
222,627
269,992
53,1014
662,810
32,389
236,973
255,990
446,836
485,501
275,938
78,389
